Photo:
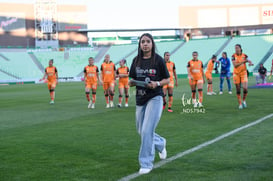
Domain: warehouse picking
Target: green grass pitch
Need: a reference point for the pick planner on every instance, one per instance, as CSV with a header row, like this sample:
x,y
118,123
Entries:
x,y
67,141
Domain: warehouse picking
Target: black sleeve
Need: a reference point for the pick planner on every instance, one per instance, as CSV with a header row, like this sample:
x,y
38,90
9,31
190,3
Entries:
x,y
84,70
189,64
101,68
132,72
202,65
174,66
164,73
117,72
56,70
97,69
127,69
45,70
233,58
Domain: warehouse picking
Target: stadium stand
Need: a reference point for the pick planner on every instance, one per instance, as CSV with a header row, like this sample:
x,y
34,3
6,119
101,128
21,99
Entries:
x,y
19,64
205,47
70,62
254,46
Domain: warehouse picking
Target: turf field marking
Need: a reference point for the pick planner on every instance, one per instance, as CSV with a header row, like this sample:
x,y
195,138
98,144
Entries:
x,y
198,147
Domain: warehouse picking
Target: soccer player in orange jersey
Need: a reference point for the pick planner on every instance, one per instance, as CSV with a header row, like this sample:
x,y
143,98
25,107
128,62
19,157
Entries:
x,y
108,73
196,78
239,60
52,76
169,87
208,74
91,77
123,85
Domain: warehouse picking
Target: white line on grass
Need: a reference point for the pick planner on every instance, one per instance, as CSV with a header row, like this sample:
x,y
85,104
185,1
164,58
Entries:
x,y
191,150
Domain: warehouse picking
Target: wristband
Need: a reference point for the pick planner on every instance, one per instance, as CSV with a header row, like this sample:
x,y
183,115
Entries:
x,y
158,83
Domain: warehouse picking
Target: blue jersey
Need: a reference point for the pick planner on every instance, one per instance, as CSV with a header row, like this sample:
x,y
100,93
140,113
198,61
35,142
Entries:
x,y
225,65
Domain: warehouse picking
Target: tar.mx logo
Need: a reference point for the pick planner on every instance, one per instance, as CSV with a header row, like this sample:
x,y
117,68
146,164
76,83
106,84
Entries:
x,y
190,106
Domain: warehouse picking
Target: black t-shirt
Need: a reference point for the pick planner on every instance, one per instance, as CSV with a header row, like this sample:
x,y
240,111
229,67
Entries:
x,y
148,71
262,71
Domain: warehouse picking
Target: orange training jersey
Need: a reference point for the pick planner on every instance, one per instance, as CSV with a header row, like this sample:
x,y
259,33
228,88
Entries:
x,y
91,73
196,69
108,71
237,59
51,73
123,70
171,67
210,67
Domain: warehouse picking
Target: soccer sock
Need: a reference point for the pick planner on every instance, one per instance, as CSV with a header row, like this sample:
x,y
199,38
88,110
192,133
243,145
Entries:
x,y
245,94
193,94
126,99
170,100
239,97
111,97
93,97
87,94
52,96
107,98
164,99
200,93
119,99
211,88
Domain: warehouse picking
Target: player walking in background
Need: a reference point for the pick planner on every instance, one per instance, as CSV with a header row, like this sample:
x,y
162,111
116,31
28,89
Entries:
x,y
52,79
239,60
123,85
225,72
108,73
91,76
209,75
149,67
196,78
169,87
271,70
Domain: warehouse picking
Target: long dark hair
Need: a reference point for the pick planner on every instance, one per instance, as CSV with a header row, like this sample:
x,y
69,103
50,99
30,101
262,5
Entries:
x,y
140,53
238,45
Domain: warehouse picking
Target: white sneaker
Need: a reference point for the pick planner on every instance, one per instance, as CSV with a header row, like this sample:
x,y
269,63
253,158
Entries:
x,y
126,105
89,105
200,105
209,93
240,106
229,92
163,153
144,170
112,104
93,106
119,105
244,104
213,93
51,102
107,105
195,105
220,93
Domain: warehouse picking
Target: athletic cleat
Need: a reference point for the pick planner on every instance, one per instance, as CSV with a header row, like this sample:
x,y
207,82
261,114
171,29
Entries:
x,y
112,104
126,105
240,106
89,105
163,153
209,93
170,109
144,170
107,105
244,104
195,105
93,106
220,93
213,93
194,101
119,105
229,92
200,105
51,102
